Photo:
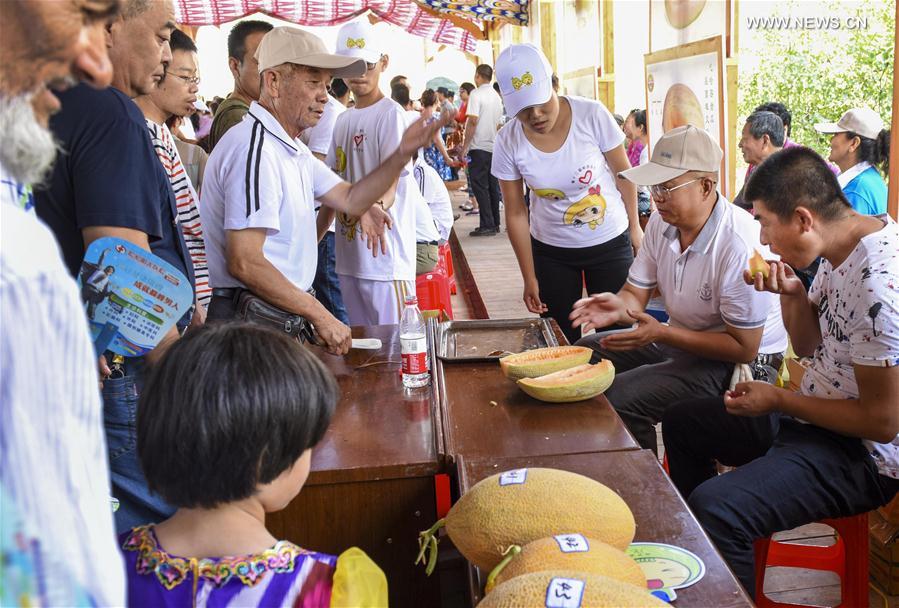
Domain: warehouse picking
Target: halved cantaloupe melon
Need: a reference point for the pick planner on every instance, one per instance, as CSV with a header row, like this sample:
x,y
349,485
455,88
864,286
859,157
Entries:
x,y
574,384
543,361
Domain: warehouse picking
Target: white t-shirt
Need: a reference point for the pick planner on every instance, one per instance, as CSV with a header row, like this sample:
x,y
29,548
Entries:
x,y
644,158
318,138
575,199
437,196
363,139
486,104
258,177
425,226
702,286
858,312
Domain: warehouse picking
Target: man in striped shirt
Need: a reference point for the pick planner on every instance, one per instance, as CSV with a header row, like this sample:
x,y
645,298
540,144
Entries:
x,y
175,96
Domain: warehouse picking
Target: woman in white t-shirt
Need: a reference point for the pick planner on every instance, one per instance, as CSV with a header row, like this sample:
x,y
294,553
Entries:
x,y
583,224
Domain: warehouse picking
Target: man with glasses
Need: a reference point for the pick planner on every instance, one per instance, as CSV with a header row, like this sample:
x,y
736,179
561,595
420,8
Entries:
x,y
696,247
175,96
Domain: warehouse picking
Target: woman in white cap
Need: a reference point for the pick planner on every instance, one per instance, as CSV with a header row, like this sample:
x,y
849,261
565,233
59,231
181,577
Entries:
x,y
583,224
859,145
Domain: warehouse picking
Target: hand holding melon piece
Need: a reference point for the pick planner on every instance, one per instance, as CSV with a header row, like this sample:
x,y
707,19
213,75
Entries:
x,y
593,590
568,552
574,384
520,506
542,361
758,264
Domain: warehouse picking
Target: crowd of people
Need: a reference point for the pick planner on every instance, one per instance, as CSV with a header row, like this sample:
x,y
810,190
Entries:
x,y
308,200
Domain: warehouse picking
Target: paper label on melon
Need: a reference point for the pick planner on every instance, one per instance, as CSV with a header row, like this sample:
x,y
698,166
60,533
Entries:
x,y
564,593
572,543
514,477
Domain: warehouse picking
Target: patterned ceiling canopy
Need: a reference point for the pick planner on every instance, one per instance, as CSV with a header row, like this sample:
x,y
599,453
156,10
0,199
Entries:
x,y
421,20
508,11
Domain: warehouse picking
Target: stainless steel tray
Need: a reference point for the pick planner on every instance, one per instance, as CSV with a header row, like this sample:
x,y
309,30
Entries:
x,y
489,339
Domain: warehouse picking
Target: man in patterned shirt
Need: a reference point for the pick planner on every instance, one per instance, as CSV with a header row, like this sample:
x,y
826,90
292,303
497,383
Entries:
x,y
832,449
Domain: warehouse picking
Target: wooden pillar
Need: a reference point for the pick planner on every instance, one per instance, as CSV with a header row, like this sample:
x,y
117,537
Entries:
x,y
893,194
605,86
734,130
548,32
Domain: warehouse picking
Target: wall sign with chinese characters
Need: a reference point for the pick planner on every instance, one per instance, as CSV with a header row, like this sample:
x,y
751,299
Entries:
x,y
132,297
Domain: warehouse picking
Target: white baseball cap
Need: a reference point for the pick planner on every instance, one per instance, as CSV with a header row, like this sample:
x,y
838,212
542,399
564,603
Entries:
x,y
861,121
678,151
524,76
292,45
358,39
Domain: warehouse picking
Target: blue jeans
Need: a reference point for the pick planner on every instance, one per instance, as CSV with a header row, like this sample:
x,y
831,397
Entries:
x,y
137,505
326,283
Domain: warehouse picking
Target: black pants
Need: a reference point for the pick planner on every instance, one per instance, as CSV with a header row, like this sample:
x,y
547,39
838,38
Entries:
x,y
789,474
486,189
561,272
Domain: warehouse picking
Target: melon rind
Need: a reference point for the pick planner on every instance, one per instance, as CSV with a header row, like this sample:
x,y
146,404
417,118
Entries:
x,y
599,592
575,384
489,517
543,361
601,558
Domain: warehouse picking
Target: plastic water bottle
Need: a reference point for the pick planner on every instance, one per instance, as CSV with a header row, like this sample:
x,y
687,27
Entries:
x,y
414,346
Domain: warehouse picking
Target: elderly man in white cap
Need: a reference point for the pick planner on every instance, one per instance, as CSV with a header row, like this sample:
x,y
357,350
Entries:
x,y
858,144
373,288
694,252
258,202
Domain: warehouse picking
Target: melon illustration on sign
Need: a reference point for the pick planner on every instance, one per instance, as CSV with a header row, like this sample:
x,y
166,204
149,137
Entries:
x,y
667,567
681,13
681,107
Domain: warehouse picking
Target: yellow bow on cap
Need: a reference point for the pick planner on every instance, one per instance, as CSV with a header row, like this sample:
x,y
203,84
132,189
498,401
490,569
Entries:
x,y
525,80
358,43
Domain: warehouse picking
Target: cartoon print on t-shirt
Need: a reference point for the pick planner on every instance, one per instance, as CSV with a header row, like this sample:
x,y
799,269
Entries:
x,y
348,225
551,194
340,156
590,210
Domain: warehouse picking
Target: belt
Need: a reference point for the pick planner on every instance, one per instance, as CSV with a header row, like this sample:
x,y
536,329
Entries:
x,y
770,359
232,292
427,243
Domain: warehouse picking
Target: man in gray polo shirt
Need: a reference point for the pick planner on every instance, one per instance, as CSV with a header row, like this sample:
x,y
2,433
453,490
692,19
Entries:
x,y
695,250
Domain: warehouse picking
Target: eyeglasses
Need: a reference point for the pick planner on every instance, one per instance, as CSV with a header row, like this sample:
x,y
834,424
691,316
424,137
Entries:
x,y
661,193
186,79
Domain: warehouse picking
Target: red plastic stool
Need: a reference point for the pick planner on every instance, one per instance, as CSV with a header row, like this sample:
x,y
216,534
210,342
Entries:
x,y
848,557
446,265
432,290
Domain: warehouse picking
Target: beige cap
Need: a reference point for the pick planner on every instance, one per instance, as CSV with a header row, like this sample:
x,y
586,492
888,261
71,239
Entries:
x,y
683,149
293,45
861,121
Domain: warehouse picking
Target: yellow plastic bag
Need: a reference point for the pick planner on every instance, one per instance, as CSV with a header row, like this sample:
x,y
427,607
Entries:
x,y
358,582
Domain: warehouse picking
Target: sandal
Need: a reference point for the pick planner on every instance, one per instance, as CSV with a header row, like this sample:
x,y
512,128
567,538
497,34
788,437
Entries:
x,y
466,207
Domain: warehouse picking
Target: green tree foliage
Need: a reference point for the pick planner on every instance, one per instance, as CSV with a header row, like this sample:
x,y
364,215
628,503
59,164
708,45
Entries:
x,y
819,74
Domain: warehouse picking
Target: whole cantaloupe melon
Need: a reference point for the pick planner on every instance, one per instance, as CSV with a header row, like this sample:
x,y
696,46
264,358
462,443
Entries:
x,y
594,591
520,506
570,552
573,384
542,361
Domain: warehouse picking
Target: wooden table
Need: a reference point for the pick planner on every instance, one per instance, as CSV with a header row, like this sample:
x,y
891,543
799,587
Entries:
x,y
660,513
519,425
372,478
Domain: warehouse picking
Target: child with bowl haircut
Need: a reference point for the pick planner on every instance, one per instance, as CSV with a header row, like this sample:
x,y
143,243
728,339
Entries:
x,y
225,429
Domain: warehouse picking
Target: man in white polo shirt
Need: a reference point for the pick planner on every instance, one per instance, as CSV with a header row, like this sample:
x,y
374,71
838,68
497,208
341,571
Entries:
x,y
373,288
258,202
694,252
485,111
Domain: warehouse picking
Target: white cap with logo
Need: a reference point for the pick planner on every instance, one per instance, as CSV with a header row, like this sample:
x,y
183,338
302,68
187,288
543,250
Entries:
x,y
292,45
358,39
861,121
678,151
524,76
